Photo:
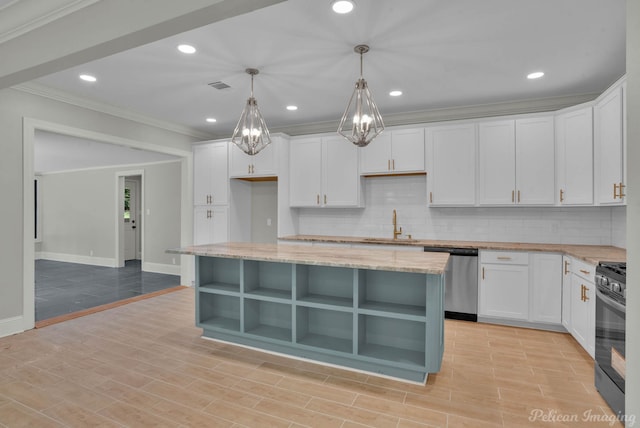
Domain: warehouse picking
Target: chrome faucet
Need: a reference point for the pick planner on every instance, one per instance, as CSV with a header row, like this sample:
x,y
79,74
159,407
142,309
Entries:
x,y
396,232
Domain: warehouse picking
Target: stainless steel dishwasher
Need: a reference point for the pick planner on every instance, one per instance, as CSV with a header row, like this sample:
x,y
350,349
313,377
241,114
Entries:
x,y
461,283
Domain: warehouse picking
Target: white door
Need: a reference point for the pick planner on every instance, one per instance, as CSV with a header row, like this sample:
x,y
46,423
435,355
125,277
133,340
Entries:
x,y
497,155
305,163
340,173
407,150
535,161
131,220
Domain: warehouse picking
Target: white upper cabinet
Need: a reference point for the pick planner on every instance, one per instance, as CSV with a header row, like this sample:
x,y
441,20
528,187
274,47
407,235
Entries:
x,y
394,152
609,148
517,162
451,160
210,174
324,173
574,154
264,164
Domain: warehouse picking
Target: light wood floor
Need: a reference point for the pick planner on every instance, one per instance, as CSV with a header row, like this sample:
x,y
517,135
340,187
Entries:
x,y
144,364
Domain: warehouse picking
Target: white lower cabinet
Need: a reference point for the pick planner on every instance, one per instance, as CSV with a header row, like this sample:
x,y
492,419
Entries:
x,y
566,292
521,286
210,224
581,322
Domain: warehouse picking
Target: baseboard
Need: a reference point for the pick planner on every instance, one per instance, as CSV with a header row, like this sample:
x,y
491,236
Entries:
x,y
161,268
37,255
524,324
75,258
13,325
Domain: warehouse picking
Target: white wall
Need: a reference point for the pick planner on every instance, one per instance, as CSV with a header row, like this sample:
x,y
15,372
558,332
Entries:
x,y
79,210
574,225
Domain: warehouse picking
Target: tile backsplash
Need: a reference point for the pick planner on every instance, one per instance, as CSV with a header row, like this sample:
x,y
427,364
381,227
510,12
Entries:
x,y
407,195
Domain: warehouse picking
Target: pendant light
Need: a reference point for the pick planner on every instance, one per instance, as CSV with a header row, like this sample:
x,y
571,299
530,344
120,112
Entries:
x,y
361,121
251,134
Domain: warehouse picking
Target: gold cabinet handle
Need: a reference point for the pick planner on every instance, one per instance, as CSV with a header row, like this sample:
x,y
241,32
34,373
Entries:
x,y
388,164
615,190
430,197
561,195
566,267
586,272
504,258
393,164
325,199
582,287
586,289
518,196
253,169
249,169
620,187
318,199
483,273
513,199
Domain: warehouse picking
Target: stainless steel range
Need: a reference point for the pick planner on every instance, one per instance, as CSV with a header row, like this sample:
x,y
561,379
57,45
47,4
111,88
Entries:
x,y
611,298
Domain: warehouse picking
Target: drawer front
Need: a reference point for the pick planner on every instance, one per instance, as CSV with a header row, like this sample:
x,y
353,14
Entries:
x,y
583,269
505,257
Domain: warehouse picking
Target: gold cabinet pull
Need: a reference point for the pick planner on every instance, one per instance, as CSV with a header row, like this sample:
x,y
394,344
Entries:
x,y
518,196
615,190
393,164
318,199
325,199
388,164
620,187
504,258
582,287
249,169
566,267
483,273
430,197
586,289
513,198
586,272
253,169
561,195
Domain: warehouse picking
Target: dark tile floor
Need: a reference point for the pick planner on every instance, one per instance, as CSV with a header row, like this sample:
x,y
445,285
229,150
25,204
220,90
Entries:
x,y
62,288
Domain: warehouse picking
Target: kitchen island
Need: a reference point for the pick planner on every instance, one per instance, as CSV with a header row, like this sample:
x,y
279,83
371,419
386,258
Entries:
x,y
379,311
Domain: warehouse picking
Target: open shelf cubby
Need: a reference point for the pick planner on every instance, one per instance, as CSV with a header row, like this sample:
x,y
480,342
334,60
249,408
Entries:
x,y
325,285
267,279
324,329
218,275
390,339
219,311
267,319
401,294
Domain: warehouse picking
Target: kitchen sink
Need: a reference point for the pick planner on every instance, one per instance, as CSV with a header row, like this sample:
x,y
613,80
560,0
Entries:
x,y
389,240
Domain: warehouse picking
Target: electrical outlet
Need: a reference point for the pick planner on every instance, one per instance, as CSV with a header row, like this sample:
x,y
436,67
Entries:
x,y
173,260
268,222
91,253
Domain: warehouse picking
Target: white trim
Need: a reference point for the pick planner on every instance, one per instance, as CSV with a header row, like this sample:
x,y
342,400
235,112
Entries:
x,y
76,258
28,246
161,268
13,325
95,168
65,97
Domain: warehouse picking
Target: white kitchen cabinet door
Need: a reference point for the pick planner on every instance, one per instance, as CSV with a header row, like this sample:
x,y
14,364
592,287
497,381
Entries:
x,y
407,147
574,149
566,292
376,157
546,287
609,150
452,175
305,179
535,161
210,174
497,166
504,291
263,164
210,225
341,181
583,308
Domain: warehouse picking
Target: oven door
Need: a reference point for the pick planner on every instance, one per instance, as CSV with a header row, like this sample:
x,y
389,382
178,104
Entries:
x,y
610,337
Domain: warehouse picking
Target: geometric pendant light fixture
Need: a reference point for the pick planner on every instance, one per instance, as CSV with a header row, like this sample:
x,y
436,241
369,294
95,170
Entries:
x,y
251,134
361,121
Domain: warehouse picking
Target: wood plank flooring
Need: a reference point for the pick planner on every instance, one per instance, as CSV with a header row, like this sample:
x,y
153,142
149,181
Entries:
x,y
145,365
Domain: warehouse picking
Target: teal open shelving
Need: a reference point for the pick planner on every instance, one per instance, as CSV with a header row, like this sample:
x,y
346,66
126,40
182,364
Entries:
x,y
383,322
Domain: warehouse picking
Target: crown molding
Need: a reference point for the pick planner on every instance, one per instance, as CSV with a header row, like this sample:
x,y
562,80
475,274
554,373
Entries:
x,y
32,14
454,113
65,97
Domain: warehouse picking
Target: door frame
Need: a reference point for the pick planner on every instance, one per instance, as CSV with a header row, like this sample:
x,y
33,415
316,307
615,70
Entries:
x,y
121,176
29,126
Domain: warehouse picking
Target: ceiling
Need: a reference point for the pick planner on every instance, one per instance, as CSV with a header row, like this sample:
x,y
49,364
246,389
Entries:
x,y
440,53
56,152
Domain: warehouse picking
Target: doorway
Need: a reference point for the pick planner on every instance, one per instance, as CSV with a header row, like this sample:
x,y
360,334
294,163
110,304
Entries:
x,y
132,218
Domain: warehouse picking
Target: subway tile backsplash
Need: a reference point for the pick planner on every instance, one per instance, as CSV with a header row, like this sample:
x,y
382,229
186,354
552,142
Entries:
x,y
407,195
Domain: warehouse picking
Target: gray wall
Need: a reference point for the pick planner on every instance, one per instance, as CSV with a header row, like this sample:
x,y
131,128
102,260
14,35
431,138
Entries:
x,y
79,212
264,206
14,105
633,210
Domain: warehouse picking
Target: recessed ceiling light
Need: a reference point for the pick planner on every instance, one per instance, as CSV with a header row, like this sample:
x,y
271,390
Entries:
x,y
535,75
211,120
292,108
395,93
88,78
188,49
342,6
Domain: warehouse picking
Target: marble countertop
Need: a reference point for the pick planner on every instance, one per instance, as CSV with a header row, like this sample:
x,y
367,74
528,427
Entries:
x,y
592,254
362,258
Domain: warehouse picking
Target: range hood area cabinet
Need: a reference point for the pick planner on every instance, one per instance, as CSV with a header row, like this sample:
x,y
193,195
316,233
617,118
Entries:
x,y
517,162
451,164
397,151
324,173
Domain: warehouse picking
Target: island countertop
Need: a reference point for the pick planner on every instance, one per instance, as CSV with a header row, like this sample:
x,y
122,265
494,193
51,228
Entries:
x,y
363,258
